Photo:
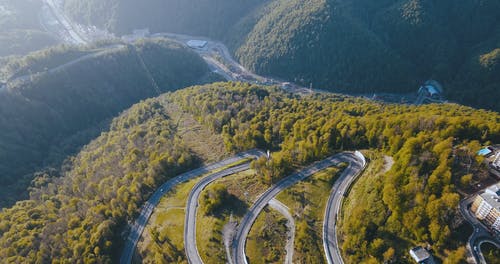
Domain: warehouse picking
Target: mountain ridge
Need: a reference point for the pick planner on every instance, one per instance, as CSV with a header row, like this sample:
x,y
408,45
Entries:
x,y
51,115
353,46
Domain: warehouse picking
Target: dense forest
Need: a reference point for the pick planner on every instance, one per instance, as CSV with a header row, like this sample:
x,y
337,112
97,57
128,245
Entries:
x,y
195,17
419,196
20,29
350,46
79,216
52,113
360,46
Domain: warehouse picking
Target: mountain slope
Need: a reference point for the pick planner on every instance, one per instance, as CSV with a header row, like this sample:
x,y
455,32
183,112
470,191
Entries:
x,y
358,46
20,30
195,17
46,119
78,218
312,41
352,46
80,215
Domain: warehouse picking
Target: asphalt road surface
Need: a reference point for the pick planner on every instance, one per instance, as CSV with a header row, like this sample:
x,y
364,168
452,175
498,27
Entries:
x,y
192,253
238,248
228,68
339,189
69,33
147,209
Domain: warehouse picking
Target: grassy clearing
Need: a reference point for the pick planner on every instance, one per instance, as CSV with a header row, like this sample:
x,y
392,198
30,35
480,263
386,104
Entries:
x,y
209,238
267,239
245,185
243,188
163,237
207,145
307,201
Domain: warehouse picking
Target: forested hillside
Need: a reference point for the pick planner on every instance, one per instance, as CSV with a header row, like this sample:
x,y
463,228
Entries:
x,y
393,46
20,29
55,112
351,46
315,41
195,17
81,214
78,217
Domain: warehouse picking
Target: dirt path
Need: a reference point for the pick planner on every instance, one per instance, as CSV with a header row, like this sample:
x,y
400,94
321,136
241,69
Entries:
x,y
283,209
228,233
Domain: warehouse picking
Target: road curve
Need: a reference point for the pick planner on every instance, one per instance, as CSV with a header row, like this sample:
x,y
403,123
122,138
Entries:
x,y
483,240
330,240
191,249
147,209
238,247
479,234
285,211
208,54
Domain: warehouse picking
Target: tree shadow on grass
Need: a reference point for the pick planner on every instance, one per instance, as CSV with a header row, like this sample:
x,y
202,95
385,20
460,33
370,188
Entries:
x,y
232,205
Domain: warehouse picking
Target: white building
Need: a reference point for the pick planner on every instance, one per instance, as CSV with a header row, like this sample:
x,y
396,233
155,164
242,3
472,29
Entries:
x,y
286,85
421,255
486,206
197,44
431,88
483,210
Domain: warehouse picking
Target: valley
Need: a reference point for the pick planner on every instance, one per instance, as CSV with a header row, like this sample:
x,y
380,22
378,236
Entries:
x,y
258,131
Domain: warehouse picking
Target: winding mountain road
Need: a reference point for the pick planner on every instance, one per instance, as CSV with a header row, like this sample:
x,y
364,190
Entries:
x,y
330,240
218,57
147,209
215,54
69,35
192,253
238,248
230,70
68,29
